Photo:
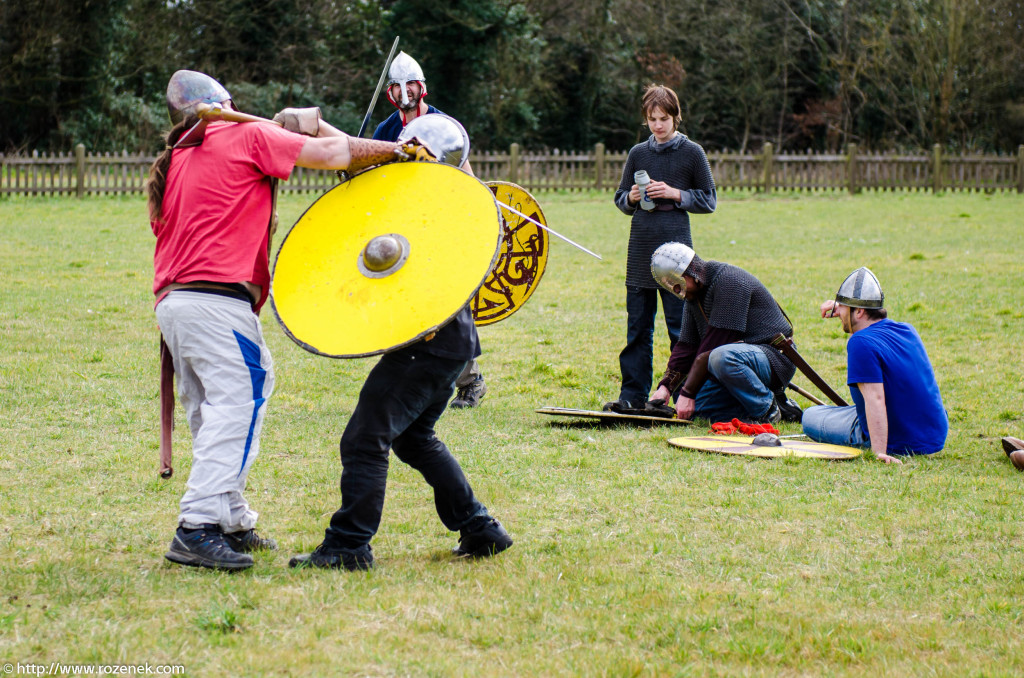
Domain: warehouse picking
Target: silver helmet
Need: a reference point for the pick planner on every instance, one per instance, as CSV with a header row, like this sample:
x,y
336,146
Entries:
x,y
443,136
861,289
404,70
188,88
669,264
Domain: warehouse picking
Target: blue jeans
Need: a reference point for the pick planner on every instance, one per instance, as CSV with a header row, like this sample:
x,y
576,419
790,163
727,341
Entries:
x,y
834,425
738,386
403,397
635,360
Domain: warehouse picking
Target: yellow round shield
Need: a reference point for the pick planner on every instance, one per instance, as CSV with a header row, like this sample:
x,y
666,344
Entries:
x,y
522,256
385,258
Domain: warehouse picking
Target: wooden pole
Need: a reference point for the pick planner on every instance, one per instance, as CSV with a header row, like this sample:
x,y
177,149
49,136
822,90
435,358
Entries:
x,y
513,163
767,162
851,168
599,165
80,170
936,168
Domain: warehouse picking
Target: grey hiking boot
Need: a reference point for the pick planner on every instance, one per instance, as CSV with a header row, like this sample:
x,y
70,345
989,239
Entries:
x,y
471,394
484,536
335,558
249,541
205,547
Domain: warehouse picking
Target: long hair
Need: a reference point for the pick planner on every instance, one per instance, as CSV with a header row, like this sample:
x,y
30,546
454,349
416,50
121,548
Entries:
x,y
157,182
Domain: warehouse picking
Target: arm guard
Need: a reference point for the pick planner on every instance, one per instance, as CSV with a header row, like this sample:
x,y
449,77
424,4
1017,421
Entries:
x,y
671,380
365,153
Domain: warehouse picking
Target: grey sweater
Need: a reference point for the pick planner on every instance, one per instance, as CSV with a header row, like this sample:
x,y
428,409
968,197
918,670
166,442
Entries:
x,y
681,164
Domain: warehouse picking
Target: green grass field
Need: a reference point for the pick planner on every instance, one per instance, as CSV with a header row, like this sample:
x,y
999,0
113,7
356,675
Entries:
x,y
632,557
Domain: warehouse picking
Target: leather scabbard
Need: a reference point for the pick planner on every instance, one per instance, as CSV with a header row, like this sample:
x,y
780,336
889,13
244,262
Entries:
x,y
785,344
166,409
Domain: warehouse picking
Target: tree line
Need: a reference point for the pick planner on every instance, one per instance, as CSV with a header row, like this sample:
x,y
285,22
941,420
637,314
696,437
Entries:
x,y
885,74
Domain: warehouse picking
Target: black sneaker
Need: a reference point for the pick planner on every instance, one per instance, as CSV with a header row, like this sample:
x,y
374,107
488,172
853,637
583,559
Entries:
x,y
481,538
622,406
336,559
249,541
471,394
205,547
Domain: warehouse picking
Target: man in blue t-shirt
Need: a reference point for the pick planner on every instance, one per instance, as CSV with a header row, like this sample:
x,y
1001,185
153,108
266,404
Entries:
x,y
897,406
406,91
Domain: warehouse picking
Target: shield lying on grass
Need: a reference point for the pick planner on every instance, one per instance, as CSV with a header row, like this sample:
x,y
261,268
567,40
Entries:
x,y
743,445
610,416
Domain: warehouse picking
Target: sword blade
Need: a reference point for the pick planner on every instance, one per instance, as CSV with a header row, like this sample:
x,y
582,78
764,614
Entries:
x,y
549,230
380,84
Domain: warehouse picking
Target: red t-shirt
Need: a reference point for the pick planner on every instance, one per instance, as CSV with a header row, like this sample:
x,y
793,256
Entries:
x,y
217,205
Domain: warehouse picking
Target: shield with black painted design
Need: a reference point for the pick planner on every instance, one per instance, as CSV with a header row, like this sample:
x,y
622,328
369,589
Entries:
x,y
522,256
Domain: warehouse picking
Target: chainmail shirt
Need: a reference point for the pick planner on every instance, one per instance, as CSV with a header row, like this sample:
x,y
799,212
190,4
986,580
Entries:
x,y
681,164
733,299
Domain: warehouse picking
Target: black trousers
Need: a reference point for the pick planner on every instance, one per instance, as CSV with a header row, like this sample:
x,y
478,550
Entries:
x,y
401,401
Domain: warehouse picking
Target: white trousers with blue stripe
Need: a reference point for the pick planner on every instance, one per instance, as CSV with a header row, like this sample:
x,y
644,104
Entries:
x,y
225,376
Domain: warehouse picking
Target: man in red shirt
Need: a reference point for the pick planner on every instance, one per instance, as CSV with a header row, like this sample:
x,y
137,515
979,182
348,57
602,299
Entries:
x,y
211,208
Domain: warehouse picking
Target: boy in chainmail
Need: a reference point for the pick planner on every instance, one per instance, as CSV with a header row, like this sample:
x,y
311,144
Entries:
x,y
680,183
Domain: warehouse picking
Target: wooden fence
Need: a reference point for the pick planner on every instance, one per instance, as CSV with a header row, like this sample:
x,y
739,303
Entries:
x,y
82,174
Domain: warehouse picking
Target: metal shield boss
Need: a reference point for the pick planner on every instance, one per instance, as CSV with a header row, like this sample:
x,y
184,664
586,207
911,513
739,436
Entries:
x,y
443,136
861,289
384,259
522,257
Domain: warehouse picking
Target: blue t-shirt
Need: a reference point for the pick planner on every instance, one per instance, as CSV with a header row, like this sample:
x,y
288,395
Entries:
x,y
392,125
892,354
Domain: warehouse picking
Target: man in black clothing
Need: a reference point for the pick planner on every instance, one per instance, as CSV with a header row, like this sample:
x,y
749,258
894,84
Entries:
x,y
403,397
723,365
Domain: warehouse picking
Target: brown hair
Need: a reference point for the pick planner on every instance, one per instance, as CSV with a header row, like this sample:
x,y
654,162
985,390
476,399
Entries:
x,y
876,313
659,96
157,182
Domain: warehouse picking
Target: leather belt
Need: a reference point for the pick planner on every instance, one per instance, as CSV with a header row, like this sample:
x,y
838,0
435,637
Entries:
x,y
201,285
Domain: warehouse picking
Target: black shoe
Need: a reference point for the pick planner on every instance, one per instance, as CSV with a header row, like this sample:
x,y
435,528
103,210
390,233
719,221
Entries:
x,y
336,559
471,394
249,541
659,408
791,412
773,416
622,406
483,537
205,547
